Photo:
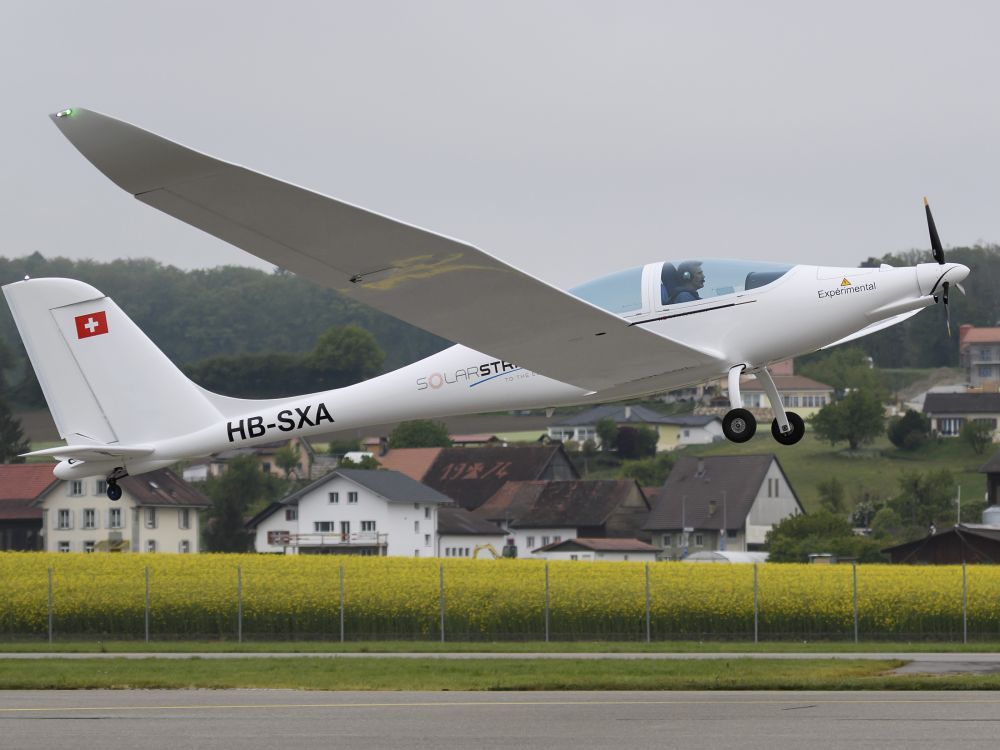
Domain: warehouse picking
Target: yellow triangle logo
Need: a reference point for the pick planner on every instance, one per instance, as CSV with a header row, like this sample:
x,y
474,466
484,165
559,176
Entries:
x,y
845,282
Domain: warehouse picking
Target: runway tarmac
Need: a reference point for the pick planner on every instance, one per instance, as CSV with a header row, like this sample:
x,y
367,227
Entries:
x,y
271,719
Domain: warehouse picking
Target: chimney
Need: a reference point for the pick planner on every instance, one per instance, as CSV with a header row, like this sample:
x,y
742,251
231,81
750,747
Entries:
x,y
628,413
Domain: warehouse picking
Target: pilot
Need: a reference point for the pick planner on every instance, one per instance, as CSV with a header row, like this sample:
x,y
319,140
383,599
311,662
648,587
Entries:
x,y
690,279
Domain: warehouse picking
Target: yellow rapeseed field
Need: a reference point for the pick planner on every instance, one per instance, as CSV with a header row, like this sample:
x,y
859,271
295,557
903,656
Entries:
x,y
387,598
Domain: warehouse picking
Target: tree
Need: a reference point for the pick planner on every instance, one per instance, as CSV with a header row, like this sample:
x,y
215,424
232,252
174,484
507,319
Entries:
x,y
366,462
420,433
909,431
242,486
857,419
831,495
888,525
607,431
12,440
844,368
344,355
794,538
648,472
978,435
925,498
288,458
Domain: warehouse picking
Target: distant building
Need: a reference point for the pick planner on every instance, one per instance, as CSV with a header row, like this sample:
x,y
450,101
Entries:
x,y
540,513
979,354
353,512
309,461
966,542
599,550
461,533
720,503
949,412
470,476
20,518
672,431
802,395
158,512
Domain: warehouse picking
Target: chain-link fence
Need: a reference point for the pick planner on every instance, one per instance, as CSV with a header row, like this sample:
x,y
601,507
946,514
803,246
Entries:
x,y
244,599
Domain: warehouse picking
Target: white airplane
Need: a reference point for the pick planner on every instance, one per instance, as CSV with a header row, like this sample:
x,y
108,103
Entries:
x,y
124,408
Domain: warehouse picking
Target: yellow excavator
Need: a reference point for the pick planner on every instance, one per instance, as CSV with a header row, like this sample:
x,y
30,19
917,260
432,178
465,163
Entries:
x,y
509,549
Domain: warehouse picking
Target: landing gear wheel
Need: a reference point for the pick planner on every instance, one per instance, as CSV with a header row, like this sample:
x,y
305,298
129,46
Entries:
x,y
114,491
792,436
739,425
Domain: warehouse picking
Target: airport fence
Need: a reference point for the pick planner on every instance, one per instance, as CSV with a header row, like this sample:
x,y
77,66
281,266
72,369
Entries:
x,y
262,597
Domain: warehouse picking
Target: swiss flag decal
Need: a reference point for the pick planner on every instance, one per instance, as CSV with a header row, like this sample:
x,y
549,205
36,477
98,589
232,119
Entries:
x,y
92,324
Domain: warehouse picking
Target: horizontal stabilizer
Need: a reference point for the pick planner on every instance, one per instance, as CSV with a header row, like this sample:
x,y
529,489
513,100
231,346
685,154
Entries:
x,y
92,452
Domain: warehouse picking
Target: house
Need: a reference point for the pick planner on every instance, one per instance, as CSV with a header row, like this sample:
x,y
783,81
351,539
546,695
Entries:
x,y
470,476
720,502
158,512
461,533
992,471
309,461
949,412
20,519
599,550
477,440
539,513
672,431
979,354
353,512
803,395
966,542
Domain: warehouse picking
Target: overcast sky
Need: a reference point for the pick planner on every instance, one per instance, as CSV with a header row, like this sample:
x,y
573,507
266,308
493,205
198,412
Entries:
x,y
568,138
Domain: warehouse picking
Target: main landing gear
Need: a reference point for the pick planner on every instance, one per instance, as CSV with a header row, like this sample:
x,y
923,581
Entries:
x,y
739,425
114,491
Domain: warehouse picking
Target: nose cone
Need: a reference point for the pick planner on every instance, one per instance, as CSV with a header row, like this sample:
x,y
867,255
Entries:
x,y
931,275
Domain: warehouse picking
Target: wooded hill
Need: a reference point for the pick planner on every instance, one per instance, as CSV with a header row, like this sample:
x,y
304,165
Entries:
x,y
197,315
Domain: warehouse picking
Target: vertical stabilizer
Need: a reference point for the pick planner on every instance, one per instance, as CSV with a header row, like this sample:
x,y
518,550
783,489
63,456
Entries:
x,y
104,380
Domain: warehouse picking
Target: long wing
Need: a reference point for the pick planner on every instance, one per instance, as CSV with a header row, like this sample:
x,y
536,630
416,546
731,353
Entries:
x,y
436,283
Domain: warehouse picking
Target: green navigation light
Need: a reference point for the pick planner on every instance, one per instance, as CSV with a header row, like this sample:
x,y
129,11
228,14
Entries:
x,y
65,113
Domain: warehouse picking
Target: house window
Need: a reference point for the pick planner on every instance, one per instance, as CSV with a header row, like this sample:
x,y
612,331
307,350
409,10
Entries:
x,y
427,512
266,467
950,426
115,518
89,518
76,487
184,547
352,498
101,487
699,540
65,519
291,514
150,545
530,542
184,518
334,498
427,540
368,526
88,546
732,533
323,527
151,518
556,539
985,371
416,553
64,546
574,557
545,540
278,537
345,529
668,541
416,527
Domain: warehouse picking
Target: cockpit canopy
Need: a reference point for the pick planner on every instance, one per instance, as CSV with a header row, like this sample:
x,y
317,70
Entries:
x,y
679,282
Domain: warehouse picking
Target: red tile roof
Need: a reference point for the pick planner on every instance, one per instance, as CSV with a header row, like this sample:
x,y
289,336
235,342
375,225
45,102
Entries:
x,y
20,484
600,545
414,462
25,481
972,335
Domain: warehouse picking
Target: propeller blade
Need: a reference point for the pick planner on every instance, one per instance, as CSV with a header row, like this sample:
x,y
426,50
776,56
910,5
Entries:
x,y
935,240
947,310
960,288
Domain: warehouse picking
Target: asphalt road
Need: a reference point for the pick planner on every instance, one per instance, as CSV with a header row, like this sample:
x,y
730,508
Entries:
x,y
270,719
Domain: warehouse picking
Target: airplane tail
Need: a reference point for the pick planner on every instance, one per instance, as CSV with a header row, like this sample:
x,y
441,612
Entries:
x,y
104,380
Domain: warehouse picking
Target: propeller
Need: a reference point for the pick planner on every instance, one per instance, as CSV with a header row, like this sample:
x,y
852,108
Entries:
x,y
935,240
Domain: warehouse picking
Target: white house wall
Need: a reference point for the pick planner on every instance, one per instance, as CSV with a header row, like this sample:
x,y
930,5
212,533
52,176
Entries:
x,y
586,555
167,535
767,511
522,536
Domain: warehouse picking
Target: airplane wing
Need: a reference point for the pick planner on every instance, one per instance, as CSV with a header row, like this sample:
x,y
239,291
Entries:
x,y
439,284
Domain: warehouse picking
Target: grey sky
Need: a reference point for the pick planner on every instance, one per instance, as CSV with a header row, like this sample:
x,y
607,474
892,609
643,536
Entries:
x,y
568,138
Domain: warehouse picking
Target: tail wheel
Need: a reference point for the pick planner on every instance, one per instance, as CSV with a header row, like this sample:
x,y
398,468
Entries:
x,y
792,436
739,425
